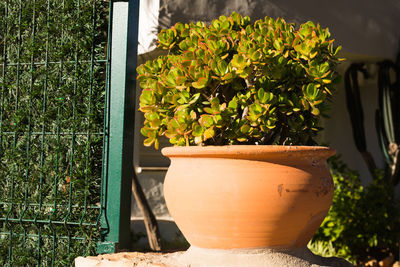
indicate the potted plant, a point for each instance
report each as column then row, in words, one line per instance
column 241, row 102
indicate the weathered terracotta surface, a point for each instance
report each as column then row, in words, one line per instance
column 248, row 196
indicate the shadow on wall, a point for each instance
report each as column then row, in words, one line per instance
column 171, row 237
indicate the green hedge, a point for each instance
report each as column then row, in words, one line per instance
column 52, row 96
column 363, row 221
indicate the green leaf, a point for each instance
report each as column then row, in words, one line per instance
column 208, row 133
column 171, row 133
column 233, row 104
column 239, row 61
column 194, row 98
column 255, row 108
column 147, row 97
column 201, row 83
column 222, row 67
column 218, row 120
column 278, row 44
column 245, row 128
column 312, row 92
column 197, row 130
column 256, row 56
column 215, row 101
column 315, row 111
column 149, row 141
column 174, row 123
column 155, row 124
column 206, row 121
column 264, row 97
column 210, row 110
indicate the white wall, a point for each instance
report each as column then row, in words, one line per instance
column 148, row 25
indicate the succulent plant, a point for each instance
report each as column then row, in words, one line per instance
column 234, row 82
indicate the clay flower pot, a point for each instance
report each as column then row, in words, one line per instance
column 229, row 197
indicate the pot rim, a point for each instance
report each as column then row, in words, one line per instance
column 249, row 151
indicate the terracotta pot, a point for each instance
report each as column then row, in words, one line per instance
column 248, row 196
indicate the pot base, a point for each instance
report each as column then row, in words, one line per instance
column 299, row 257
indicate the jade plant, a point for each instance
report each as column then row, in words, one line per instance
column 237, row 82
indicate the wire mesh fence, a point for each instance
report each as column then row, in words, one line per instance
column 52, row 102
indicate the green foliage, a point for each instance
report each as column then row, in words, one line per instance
column 363, row 220
column 51, row 129
column 322, row 248
column 233, row 82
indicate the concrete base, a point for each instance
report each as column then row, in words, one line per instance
column 200, row 257
column 300, row 257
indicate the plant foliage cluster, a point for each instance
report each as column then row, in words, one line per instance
column 51, row 124
column 363, row 220
column 234, row 82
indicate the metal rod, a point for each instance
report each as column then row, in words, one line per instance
column 45, row 236
column 102, row 219
column 71, row 173
column 52, row 133
column 57, row 169
column 89, row 111
column 12, row 64
column 4, row 71
column 42, row 156
column 39, row 221
column 50, row 205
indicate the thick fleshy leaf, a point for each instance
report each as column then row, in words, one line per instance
column 149, row 141
column 208, row 133
column 201, row 83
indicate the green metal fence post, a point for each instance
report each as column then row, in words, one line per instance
column 117, row 180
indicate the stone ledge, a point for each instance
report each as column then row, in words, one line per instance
column 198, row 257
column 130, row 259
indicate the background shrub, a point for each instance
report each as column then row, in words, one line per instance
column 363, row 220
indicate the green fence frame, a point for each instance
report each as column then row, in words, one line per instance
column 120, row 121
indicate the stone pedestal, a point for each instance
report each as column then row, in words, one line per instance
column 199, row 257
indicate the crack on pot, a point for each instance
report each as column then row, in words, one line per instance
column 297, row 190
column 280, row 188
